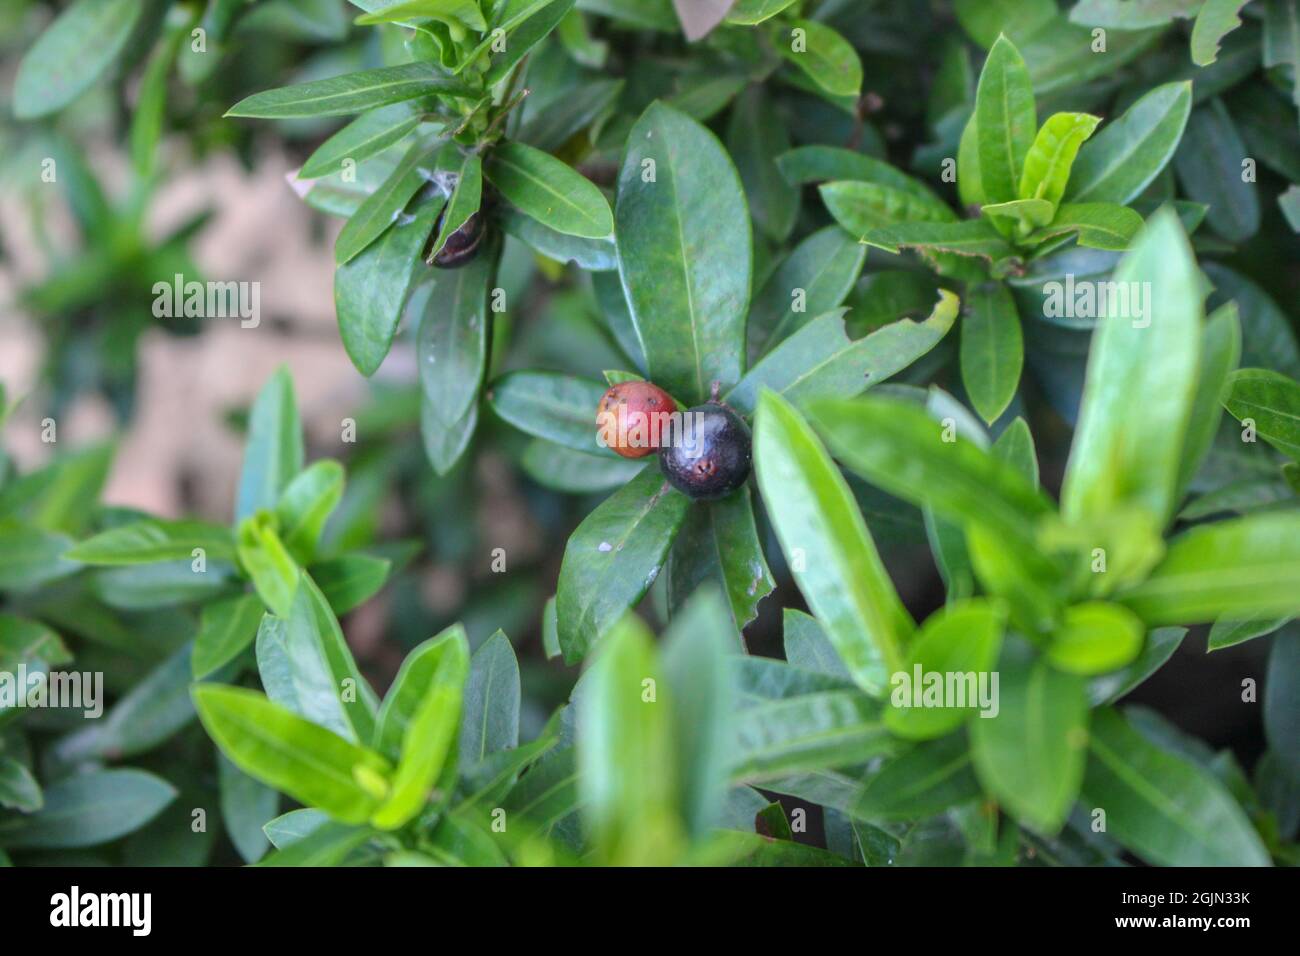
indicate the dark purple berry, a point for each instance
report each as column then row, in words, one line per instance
column 712, row 454
column 461, row 246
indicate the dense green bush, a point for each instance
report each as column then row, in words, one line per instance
column 910, row 638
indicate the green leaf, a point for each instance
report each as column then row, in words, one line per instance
column 817, row 164
column 984, row 20
column 823, row 54
column 695, row 651
column 1094, row 638
column 151, row 101
column 328, row 845
column 1015, row 446
column 1281, row 693
column 1220, row 352
column 491, row 721
column 970, row 237
column 1216, row 20
column 813, row 279
column 306, row 504
column 684, row 252
column 750, row 12
column 465, row 13
column 1120, row 460
column 821, row 361
column 1127, row 15
column 1120, row 162
column 992, row 349
column 562, row 469
column 613, row 557
column 860, row 207
column 311, row 764
column 962, row 639
column 1050, row 158
column 225, row 628
column 1031, row 755
column 1099, row 225
column 927, row 779
column 559, row 408
column 370, row 290
column 72, row 54
column 87, row 809
column 549, row 190
column 154, row 539
column 381, row 208
column 827, row 545
column 464, row 202
column 430, row 730
column 446, row 442
column 1271, row 402
column 1005, row 121
column 247, row 806
column 350, row 580
column 1209, row 166
column 1247, row 567
column 756, row 135
column 627, row 768
column 30, row 557
column 1166, row 810
column 148, row 714
column 1160, row 646
column 1228, row 632
column 1282, row 39
column 451, row 344
column 18, row 788
column 719, row 542
column 350, row 93
column 273, row 450
column 594, row 255
column 807, row 646
column 1020, row 217
column 808, row 733
column 262, row 554
column 368, row 134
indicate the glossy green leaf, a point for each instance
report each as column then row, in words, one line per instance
column 627, row 769
column 1220, row 352
column 806, row 644
column 370, row 290
column 827, row 545
column 684, row 252
column 1031, row 755
column 549, row 190
column 30, row 557
column 961, row 639
column 225, row 628
column 1005, row 121
column 88, row 809
column 613, row 557
column 491, row 718
column 719, row 542
column 273, row 451
column 823, row 54
column 756, row 135
column 381, row 208
column 1098, row 225
column 808, row 733
column 975, row 238
column 350, row 93
column 368, row 134
column 1051, row 157
column 1120, row 460
column 559, row 408
column 154, row 539
column 860, row 207
column 927, row 779
column 1241, row 568
column 431, row 728
column 821, row 361
column 1094, row 638
column 1166, row 810
column 992, row 349
column 306, row 504
column 1271, row 402
column 350, row 580
column 1120, row 162
column 1209, row 166
column 464, row 202
column 293, row 755
column 463, row 12
column 246, row 807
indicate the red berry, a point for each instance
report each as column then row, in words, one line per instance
column 633, row 417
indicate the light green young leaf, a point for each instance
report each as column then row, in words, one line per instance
column 306, row 504
column 1099, row 225
column 273, row 450
column 823, row 54
column 268, row 563
column 152, row 540
column 1120, row 460
column 828, row 546
column 1050, row 158
column 1094, row 638
column 226, row 627
column 461, row 13
column 925, row 780
column 311, row 764
column 860, row 207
